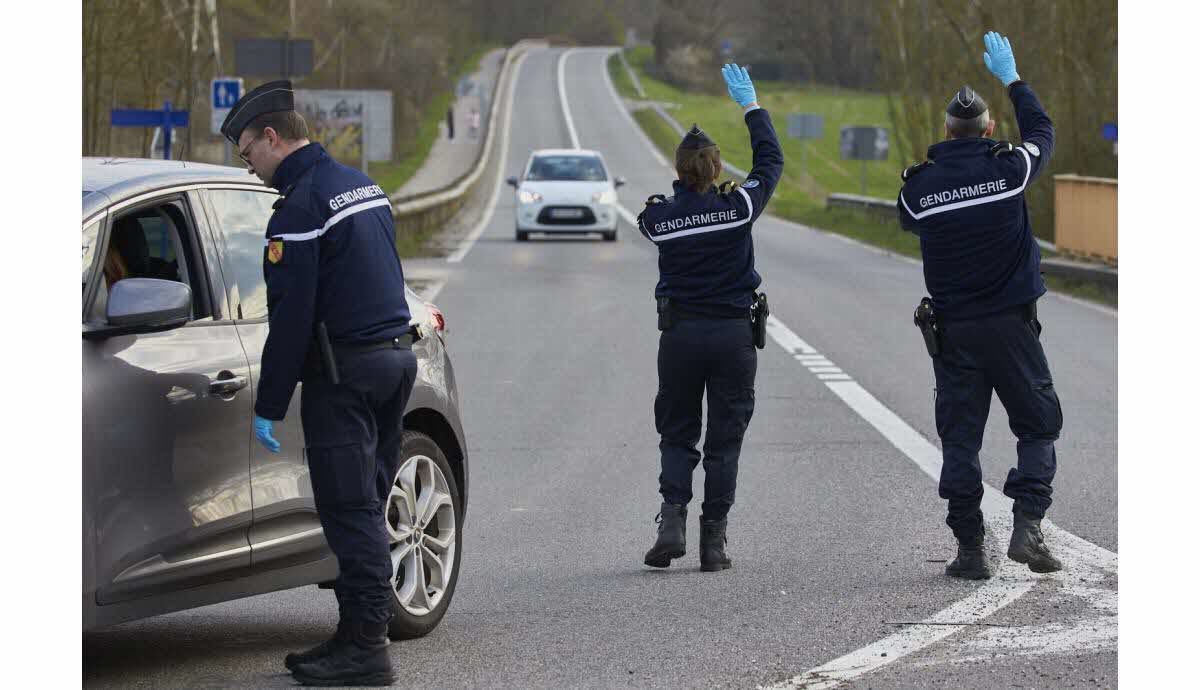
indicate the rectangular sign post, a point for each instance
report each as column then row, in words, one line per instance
column 165, row 118
column 805, row 126
column 1110, row 134
column 224, row 92
column 864, row 144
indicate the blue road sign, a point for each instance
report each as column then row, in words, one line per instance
column 165, row 118
column 1110, row 131
column 226, row 92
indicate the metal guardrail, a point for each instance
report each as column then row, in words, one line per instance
column 424, row 211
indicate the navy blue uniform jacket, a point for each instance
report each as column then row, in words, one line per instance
column 705, row 252
column 330, row 256
column 968, row 207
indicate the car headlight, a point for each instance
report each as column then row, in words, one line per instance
column 528, row 197
column 605, row 197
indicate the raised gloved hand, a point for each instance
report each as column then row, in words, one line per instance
column 999, row 57
column 263, row 429
column 741, row 89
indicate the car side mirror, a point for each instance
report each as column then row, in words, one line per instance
column 512, row 182
column 149, row 304
column 618, row 181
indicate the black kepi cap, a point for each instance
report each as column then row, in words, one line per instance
column 966, row 104
column 271, row 97
column 696, row 139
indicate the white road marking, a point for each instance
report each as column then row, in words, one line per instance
column 490, row 209
column 562, row 98
column 1088, row 568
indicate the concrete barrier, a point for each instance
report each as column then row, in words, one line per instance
column 426, row 211
column 1085, row 216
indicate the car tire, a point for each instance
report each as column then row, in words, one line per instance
column 522, row 235
column 610, row 236
column 428, row 472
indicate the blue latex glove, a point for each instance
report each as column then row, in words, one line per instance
column 999, row 57
column 263, row 429
column 741, row 89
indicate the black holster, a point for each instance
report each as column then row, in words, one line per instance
column 925, row 319
column 328, row 361
column 665, row 318
column 1029, row 313
column 759, row 311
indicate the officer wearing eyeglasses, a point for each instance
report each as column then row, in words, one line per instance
column 339, row 322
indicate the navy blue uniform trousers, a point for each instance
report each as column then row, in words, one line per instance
column 352, row 436
column 1001, row 352
column 695, row 356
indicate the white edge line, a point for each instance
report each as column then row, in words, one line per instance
column 612, row 91
column 1009, row 585
column 490, row 210
column 562, row 97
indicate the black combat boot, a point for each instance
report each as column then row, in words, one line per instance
column 971, row 563
column 671, row 542
column 712, row 545
column 1028, row 546
column 361, row 658
column 295, row 658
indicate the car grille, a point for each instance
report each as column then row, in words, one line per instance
column 566, row 215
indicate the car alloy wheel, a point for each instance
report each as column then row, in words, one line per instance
column 422, row 533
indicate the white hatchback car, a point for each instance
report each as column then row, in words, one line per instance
column 566, row 191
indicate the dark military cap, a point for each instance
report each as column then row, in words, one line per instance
column 272, row 97
column 966, row 104
column 696, row 139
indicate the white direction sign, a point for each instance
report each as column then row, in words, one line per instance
column 224, row 93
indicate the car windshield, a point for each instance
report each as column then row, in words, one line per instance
column 586, row 168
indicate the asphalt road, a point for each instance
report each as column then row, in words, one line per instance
column 837, row 537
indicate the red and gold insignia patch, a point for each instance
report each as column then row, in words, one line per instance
column 275, row 251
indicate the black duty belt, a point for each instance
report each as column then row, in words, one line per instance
column 399, row 343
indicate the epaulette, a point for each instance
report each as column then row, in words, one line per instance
column 914, row 169
column 1002, row 148
column 655, row 199
column 727, row 187
column 283, row 197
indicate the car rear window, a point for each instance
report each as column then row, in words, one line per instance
column 585, row 168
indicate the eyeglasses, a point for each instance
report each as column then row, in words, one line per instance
column 243, row 153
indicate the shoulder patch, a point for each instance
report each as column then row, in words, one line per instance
column 750, row 184
column 1032, row 148
column 275, row 251
column 655, row 199
column 913, row 169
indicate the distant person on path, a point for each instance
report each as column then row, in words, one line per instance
column 474, row 120
column 981, row 263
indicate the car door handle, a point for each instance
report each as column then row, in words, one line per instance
column 227, row 384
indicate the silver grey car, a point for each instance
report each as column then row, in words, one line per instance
column 181, row 507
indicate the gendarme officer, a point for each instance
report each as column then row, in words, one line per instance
column 339, row 322
column 967, row 204
column 706, row 291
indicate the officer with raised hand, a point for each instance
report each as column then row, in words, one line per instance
column 708, row 309
column 339, row 322
column 981, row 263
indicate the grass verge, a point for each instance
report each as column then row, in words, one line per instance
column 812, row 172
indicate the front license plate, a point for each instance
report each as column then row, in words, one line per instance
column 566, row 213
